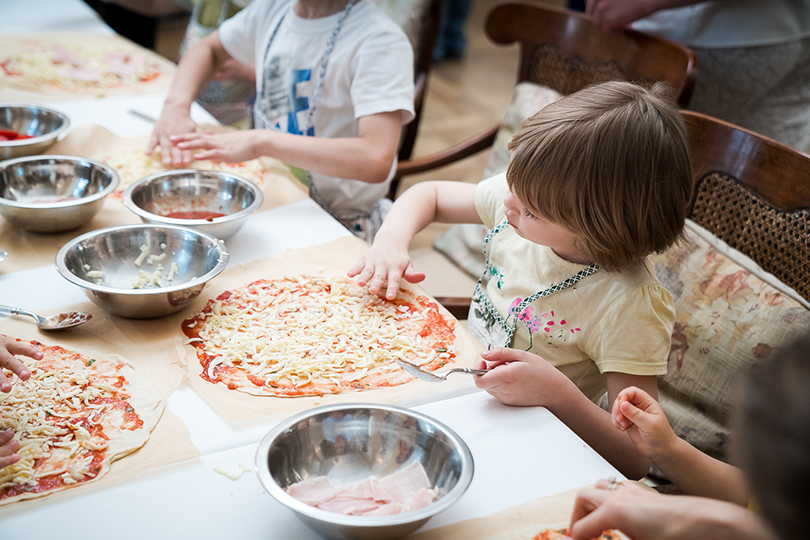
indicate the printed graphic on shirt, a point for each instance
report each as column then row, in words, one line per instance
column 284, row 98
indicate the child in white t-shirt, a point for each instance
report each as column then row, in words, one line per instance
column 338, row 72
column 568, row 300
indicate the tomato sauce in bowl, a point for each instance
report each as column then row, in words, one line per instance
column 194, row 214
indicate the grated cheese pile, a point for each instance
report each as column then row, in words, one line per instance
column 49, row 413
column 77, row 67
column 132, row 165
column 307, row 328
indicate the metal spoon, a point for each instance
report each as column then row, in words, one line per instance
column 3, row 255
column 430, row 376
column 54, row 322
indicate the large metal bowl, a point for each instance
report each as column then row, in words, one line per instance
column 45, row 126
column 376, row 440
column 106, row 263
column 156, row 196
column 53, row 193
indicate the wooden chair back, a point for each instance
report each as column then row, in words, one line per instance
column 565, row 50
column 754, row 194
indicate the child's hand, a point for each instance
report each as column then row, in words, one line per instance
column 8, row 348
column 643, row 514
column 635, row 412
column 384, row 266
column 8, row 448
column 521, row 378
column 231, row 147
column 172, row 121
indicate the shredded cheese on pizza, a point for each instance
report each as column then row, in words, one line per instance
column 76, row 67
column 132, row 165
column 64, row 417
column 304, row 330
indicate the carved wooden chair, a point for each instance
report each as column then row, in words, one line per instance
column 564, row 50
column 753, row 193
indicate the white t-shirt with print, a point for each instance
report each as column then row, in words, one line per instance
column 609, row 321
column 369, row 71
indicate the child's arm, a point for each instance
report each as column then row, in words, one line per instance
column 388, row 261
column 694, row 472
column 367, row 157
column 613, row 15
column 646, row 515
column 523, row 378
column 194, row 71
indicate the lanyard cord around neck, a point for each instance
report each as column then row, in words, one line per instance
column 330, row 44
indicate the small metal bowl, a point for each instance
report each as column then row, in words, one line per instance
column 106, row 263
column 44, row 126
column 156, row 196
column 53, row 193
column 376, row 440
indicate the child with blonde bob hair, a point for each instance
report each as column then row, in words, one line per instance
column 568, row 305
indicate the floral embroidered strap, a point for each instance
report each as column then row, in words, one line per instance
column 480, row 297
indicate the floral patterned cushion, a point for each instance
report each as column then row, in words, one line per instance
column 729, row 315
column 463, row 243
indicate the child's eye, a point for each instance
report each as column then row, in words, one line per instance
column 528, row 214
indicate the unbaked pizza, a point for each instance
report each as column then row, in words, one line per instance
column 73, row 417
column 558, row 534
column 313, row 335
column 133, row 164
column 76, row 67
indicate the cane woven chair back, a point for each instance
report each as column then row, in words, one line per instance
column 754, row 194
column 566, row 51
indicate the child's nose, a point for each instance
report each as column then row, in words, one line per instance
column 509, row 201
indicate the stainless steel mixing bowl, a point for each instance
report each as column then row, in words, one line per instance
column 45, row 126
column 106, row 263
column 189, row 190
column 53, row 193
column 379, row 440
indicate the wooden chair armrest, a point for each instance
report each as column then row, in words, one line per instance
column 455, row 153
column 458, row 306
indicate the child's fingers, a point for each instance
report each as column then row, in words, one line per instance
column 635, row 415
column 25, row 349
column 356, row 269
column 617, row 418
column 393, row 285
column 638, row 397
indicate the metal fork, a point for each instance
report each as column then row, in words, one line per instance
column 429, row 376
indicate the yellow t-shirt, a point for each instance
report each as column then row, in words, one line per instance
column 608, row 321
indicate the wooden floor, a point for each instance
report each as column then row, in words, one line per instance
column 464, row 97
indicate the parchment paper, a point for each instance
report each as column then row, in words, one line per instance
column 332, row 258
column 520, row 522
column 12, row 44
column 170, row 441
column 32, row 250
